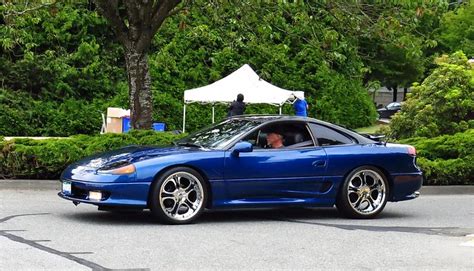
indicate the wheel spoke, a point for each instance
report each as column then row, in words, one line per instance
column 377, row 188
column 178, row 182
column 167, row 198
column 189, row 189
column 370, row 200
column 364, row 180
column 173, row 181
column 167, row 192
column 175, row 211
column 357, row 203
column 190, row 205
column 353, row 188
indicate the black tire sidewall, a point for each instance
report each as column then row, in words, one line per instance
column 342, row 201
column 154, row 203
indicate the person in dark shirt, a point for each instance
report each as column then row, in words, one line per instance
column 237, row 107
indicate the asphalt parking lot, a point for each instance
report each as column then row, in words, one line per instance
column 40, row 231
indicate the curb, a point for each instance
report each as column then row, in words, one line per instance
column 447, row 190
column 54, row 185
column 29, row 185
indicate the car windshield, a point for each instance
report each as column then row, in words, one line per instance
column 219, row 135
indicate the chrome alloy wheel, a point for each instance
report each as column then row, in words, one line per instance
column 366, row 192
column 181, row 196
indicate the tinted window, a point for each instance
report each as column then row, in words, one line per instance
column 294, row 135
column 327, row 136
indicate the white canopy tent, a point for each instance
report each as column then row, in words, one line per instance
column 244, row 81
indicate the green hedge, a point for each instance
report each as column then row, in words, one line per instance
column 447, row 159
column 21, row 115
column 45, row 159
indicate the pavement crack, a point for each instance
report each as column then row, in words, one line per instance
column 67, row 255
column 13, row 216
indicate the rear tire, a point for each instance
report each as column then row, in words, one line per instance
column 363, row 194
column 178, row 196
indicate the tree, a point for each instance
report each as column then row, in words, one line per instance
column 442, row 104
column 393, row 38
column 457, row 30
column 134, row 24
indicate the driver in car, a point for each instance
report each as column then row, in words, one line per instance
column 275, row 140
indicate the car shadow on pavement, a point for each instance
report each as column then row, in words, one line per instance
column 218, row 216
column 317, row 217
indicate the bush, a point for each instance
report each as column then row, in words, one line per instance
column 442, row 104
column 21, row 115
column 45, row 159
column 447, row 159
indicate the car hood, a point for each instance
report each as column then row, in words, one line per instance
column 129, row 154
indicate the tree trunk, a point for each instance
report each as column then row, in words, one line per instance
column 395, row 92
column 139, row 84
column 405, row 91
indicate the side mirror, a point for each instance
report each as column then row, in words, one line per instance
column 243, row 146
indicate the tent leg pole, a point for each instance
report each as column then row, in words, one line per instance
column 184, row 118
column 213, row 113
column 279, row 110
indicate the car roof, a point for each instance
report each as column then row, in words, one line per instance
column 270, row 118
column 267, row 117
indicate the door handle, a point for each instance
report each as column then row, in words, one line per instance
column 319, row 163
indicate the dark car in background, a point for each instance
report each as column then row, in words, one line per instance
column 389, row 110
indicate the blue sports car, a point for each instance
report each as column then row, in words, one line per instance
column 249, row 162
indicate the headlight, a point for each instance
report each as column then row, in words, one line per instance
column 121, row 170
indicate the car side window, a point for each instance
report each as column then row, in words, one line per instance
column 294, row 135
column 328, row 137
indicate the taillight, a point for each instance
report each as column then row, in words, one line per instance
column 411, row 151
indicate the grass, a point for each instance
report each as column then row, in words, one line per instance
column 370, row 129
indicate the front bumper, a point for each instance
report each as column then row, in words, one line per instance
column 133, row 194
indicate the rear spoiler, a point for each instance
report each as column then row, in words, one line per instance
column 377, row 138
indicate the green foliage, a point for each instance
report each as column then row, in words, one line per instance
column 45, row 159
column 442, row 104
column 58, row 52
column 457, row 30
column 67, row 51
column 22, row 115
column 293, row 46
column 447, row 159
column 396, row 39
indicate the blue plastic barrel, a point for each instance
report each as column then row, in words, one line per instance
column 125, row 124
column 159, row 126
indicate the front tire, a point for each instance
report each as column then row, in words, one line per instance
column 178, row 196
column 364, row 193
